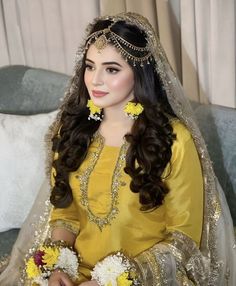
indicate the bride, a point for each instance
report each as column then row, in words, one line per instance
column 134, row 199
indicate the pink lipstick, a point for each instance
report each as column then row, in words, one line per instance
column 98, row 93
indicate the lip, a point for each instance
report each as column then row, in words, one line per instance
column 99, row 93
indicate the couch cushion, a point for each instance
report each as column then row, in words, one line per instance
column 7, row 239
column 218, row 127
column 27, row 90
column 22, row 169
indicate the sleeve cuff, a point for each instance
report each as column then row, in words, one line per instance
column 65, row 225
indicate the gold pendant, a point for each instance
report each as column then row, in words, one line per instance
column 101, row 43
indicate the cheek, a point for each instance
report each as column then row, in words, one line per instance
column 87, row 79
column 122, row 83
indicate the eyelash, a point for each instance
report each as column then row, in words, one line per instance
column 112, row 70
column 88, row 67
column 108, row 69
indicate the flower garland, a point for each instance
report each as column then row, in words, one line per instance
column 115, row 270
column 49, row 257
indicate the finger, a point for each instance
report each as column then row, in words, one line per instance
column 66, row 281
column 55, row 283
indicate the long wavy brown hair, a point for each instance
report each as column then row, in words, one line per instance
column 150, row 139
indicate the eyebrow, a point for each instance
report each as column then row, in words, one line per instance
column 105, row 63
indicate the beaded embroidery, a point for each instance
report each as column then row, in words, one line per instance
column 83, row 178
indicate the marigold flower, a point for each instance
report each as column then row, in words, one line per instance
column 123, row 280
column 50, row 255
column 32, row 269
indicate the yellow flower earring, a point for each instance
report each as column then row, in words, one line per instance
column 95, row 112
column 133, row 110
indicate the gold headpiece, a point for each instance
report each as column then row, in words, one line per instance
column 103, row 37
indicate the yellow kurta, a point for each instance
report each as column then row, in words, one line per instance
column 131, row 230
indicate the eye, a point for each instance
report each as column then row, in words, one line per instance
column 89, row 67
column 112, row 70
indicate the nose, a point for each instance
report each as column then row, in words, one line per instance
column 97, row 78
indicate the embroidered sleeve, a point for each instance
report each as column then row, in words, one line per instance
column 175, row 261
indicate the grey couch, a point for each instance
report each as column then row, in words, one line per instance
column 25, row 90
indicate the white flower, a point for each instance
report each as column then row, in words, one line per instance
column 68, row 261
column 109, row 269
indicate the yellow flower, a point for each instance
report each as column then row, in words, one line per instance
column 31, row 269
column 133, row 108
column 92, row 107
column 51, row 255
column 123, row 280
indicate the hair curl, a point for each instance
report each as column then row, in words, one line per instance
column 150, row 139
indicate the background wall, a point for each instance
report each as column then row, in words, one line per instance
column 199, row 38
column 42, row 33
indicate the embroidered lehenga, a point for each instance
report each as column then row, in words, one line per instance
column 189, row 240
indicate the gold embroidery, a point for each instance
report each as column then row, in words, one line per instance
column 4, row 260
column 217, row 209
column 41, row 233
column 162, row 260
column 187, row 254
column 64, row 224
column 154, row 266
column 183, row 280
column 115, row 186
column 149, row 268
column 191, row 266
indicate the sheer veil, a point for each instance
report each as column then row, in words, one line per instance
column 218, row 248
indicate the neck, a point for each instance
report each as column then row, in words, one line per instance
column 116, row 117
column 114, row 126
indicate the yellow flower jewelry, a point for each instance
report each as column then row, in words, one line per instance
column 51, row 256
column 95, row 112
column 133, row 110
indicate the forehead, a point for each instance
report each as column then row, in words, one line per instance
column 108, row 54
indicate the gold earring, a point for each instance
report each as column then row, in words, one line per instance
column 133, row 110
column 95, row 111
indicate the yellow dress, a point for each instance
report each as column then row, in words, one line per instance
column 129, row 229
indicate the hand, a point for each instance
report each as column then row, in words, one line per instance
column 89, row 283
column 60, row 279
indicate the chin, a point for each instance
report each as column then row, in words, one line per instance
column 99, row 102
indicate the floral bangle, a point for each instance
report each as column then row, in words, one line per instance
column 115, row 270
column 49, row 257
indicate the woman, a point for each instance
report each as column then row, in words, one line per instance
column 133, row 188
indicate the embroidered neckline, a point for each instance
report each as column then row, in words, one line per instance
column 83, row 178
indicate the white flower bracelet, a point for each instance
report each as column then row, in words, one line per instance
column 115, row 270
